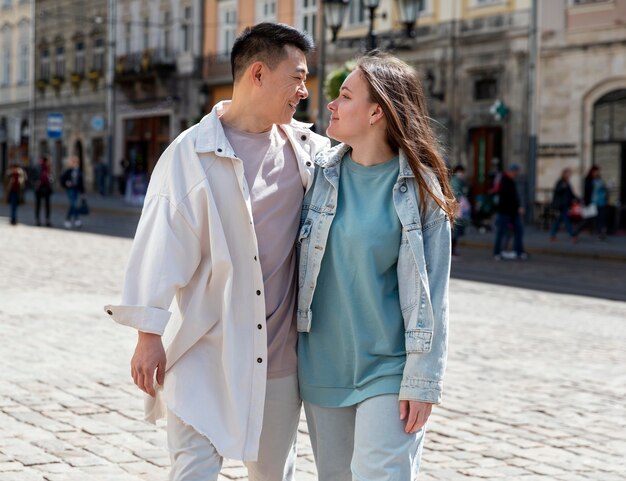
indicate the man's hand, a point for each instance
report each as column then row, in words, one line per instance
column 149, row 355
column 416, row 414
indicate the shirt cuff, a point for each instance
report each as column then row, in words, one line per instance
column 145, row 319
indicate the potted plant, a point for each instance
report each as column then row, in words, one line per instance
column 94, row 76
column 41, row 84
column 75, row 79
column 146, row 60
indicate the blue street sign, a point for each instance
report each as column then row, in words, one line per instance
column 55, row 126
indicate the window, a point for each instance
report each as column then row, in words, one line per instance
column 167, row 34
column 587, row 2
column 227, row 13
column 6, row 3
column 59, row 61
column 146, row 34
column 265, row 11
column 24, row 52
column 186, row 30
column 98, row 55
column 485, row 88
column 484, row 3
column 6, row 56
column 128, row 30
column 44, row 64
column 79, row 58
column 356, row 13
column 308, row 10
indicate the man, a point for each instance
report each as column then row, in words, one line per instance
column 218, row 230
column 509, row 214
column 72, row 181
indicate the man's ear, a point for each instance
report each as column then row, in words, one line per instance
column 256, row 71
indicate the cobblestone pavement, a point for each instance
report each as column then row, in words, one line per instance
column 535, row 386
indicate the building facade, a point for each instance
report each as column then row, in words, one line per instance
column 69, row 91
column 15, row 81
column 582, row 96
column 225, row 19
column 157, row 76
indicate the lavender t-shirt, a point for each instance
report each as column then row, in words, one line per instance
column 276, row 192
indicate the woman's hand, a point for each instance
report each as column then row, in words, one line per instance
column 416, row 414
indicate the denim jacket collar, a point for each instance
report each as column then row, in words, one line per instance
column 332, row 157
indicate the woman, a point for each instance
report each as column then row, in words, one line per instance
column 43, row 190
column 14, row 186
column 562, row 199
column 595, row 195
column 374, row 270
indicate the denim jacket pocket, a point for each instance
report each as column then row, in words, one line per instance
column 418, row 340
column 302, row 245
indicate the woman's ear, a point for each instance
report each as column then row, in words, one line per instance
column 376, row 114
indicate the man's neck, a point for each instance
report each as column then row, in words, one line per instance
column 239, row 115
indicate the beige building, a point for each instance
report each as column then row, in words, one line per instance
column 15, row 81
column 157, row 79
column 69, row 90
column 582, row 95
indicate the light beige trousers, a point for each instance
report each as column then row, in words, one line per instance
column 194, row 458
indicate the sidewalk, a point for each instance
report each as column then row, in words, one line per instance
column 537, row 241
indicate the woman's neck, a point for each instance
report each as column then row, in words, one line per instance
column 372, row 153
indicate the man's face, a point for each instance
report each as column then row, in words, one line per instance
column 284, row 87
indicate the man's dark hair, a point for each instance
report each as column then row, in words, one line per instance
column 266, row 42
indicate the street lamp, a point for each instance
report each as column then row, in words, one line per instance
column 334, row 12
column 371, row 5
column 409, row 10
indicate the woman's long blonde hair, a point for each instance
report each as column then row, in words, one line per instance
column 396, row 87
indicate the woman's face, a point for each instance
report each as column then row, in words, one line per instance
column 351, row 112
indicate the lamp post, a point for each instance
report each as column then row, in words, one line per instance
column 333, row 13
column 371, row 5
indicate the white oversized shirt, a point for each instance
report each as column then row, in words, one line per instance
column 196, row 241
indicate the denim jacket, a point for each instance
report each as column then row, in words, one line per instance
column 423, row 269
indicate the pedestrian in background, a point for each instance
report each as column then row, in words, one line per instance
column 509, row 214
column 562, row 199
column 14, row 187
column 463, row 210
column 72, row 181
column 600, row 198
column 101, row 174
column 595, row 198
column 374, row 274
column 43, row 190
column 218, row 231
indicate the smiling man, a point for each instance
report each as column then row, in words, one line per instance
column 218, row 231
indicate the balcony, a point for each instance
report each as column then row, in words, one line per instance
column 145, row 66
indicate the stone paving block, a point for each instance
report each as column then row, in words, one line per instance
column 23, row 475
column 10, row 466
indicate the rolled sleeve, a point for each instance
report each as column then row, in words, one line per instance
column 145, row 319
column 165, row 254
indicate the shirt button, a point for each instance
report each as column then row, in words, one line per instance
column 259, row 360
column 303, row 137
column 219, row 150
column 308, row 164
column 258, row 293
column 110, row 312
column 255, row 258
column 259, row 326
column 403, row 188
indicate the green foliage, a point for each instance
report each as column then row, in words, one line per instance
column 334, row 79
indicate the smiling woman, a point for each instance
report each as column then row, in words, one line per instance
column 374, row 272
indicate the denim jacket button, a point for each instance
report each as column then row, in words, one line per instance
column 403, row 188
